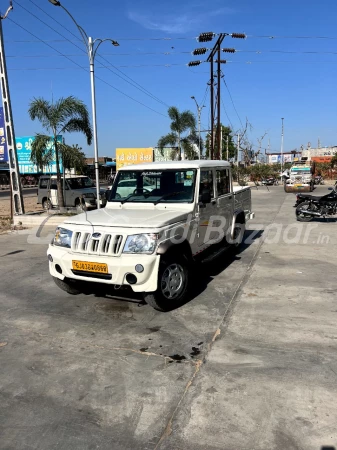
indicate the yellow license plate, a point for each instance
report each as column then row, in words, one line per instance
column 85, row 266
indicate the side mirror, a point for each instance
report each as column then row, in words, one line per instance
column 205, row 197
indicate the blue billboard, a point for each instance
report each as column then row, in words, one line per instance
column 24, row 151
column 3, row 141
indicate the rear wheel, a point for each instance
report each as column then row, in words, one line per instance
column 173, row 279
column 238, row 235
column 301, row 215
column 71, row 287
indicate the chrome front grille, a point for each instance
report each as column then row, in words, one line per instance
column 104, row 245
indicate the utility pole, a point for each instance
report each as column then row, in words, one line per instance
column 16, row 190
column 206, row 37
column 216, row 50
column 199, row 109
column 212, row 111
column 282, row 137
column 268, row 150
column 227, row 143
column 238, row 149
column 219, row 105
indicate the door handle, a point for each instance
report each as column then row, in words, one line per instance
column 230, row 197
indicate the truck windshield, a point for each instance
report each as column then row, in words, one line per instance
column 154, row 186
column 80, row 183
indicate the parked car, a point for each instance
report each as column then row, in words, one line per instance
column 80, row 191
column 150, row 239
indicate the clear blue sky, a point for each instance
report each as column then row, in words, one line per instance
column 297, row 86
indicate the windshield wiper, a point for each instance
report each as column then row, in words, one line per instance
column 127, row 198
column 171, row 194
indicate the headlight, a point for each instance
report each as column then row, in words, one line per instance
column 62, row 237
column 89, row 195
column 141, row 243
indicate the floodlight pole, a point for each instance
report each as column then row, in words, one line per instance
column 16, row 189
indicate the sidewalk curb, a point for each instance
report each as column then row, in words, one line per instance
column 35, row 220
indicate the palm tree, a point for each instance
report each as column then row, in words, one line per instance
column 67, row 115
column 181, row 122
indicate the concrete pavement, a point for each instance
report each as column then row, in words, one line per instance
column 249, row 363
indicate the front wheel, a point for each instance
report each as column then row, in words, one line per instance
column 173, row 279
column 301, row 215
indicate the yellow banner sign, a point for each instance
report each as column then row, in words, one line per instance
column 127, row 156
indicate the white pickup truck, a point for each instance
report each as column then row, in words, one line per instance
column 149, row 236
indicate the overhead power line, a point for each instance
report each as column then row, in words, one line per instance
column 230, row 95
column 291, row 37
column 74, row 62
column 123, row 76
column 224, row 108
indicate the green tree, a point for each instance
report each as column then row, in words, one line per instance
column 333, row 162
column 227, row 133
column 181, row 123
column 67, row 115
column 74, row 158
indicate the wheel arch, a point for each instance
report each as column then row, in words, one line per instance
column 169, row 247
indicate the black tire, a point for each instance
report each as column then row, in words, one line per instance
column 302, row 217
column 70, row 287
column 174, row 268
column 46, row 204
column 238, row 235
column 80, row 204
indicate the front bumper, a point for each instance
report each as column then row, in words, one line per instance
column 118, row 267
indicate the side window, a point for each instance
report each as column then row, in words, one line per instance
column 206, row 182
column 53, row 185
column 223, row 182
column 44, row 183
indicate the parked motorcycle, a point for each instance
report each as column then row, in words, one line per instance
column 270, row 181
column 318, row 179
column 310, row 206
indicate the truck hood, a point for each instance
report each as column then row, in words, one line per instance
column 129, row 218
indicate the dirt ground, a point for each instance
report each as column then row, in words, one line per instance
column 5, row 210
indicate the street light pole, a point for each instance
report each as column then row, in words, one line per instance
column 282, row 138
column 199, row 109
column 91, row 50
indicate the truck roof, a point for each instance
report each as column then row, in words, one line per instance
column 195, row 164
column 67, row 177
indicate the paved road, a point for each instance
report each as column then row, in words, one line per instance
column 26, row 192
column 32, row 191
column 249, row 363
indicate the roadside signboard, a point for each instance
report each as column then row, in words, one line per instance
column 3, row 140
column 163, row 155
column 274, row 159
column 128, row 156
column 24, row 151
